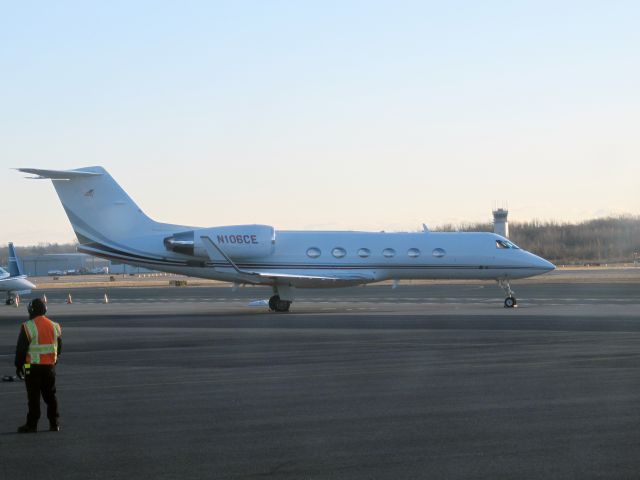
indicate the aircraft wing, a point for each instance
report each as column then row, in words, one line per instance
column 304, row 280
column 217, row 255
column 317, row 280
column 57, row 174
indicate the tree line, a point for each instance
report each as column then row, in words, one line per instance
column 601, row 240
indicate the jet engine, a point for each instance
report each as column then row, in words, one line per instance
column 237, row 241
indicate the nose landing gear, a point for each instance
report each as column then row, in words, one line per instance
column 510, row 301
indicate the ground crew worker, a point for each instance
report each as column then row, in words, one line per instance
column 39, row 344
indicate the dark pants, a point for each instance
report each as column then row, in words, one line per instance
column 41, row 380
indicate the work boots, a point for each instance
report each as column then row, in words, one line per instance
column 27, row 429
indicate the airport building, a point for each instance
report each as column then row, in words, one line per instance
column 73, row 264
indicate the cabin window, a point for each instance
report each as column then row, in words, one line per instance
column 364, row 252
column 314, row 252
column 413, row 253
column 438, row 252
column 338, row 252
column 389, row 252
column 506, row 244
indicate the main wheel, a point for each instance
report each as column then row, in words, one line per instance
column 283, row 306
column 277, row 305
column 273, row 303
column 9, row 301
column 510, row 302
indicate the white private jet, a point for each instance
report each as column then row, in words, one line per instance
column 109, row 224
column 14, row 282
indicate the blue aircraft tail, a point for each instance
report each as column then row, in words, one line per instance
column 15, row 267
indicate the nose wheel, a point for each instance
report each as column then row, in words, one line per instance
column 510, row 301
column 278, row 305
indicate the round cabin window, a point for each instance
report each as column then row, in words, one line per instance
column 338, row 252
column 439, row 252
column 364, row 252
column 314, row 252
column 413, row 253
column 389, row 252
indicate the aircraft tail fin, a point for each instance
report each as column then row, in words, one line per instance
column 15, row 267
column 98, row 208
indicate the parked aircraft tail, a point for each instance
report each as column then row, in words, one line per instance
column 99, row 210
column 15, row 267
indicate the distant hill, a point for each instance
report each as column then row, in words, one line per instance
column 602, row 240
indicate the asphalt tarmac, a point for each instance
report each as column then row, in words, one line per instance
column 371, row 382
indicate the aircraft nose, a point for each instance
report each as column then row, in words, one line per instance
column 545, row 265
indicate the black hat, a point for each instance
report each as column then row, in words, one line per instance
column 36, row 308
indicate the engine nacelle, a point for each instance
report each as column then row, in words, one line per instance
column 237, row 241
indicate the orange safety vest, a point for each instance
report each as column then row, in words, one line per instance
column 43, row 340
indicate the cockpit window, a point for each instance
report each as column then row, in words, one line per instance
column 506, row 244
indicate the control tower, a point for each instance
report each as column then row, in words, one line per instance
column 500, row 223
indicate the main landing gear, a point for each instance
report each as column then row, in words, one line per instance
column 510, row 301
column 277, row 305
column 11, row 300
column 282, row 298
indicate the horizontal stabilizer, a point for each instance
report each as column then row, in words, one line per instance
column 58, row 174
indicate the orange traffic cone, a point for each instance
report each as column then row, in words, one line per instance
column 106, row 299
column 69, row 300
column 44, row 298
column 17, row 301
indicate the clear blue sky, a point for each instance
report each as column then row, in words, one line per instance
column 323, row 115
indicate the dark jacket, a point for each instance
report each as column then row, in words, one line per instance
column 23, row 347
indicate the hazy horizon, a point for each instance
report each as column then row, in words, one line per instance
column 376, row 116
